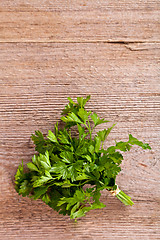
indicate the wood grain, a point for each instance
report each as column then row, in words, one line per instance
column 78, row 5
column 81, row 26
column 50, row 50
column 37, row 79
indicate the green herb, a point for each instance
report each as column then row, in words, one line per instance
column 70, row 170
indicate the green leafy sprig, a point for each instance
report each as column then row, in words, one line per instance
column 69, row 172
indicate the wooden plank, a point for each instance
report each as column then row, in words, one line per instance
column 78, row 5
column 123, row 79
column 80, row 26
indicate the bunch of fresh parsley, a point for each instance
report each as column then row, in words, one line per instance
column 69, row 171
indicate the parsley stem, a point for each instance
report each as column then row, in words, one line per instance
column 89, row 128
column 124, row 198
column 90, row 132
column 93, row 129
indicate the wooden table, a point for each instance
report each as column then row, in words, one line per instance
column 50, row 50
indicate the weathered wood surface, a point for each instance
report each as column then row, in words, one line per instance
column 78, row 27
column 70, row 21
column 77, row 5
column 37, row 76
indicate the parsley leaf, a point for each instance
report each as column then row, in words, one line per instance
column 51, row 136
column 97, row 120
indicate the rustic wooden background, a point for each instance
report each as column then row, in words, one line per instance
column 50, row 50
